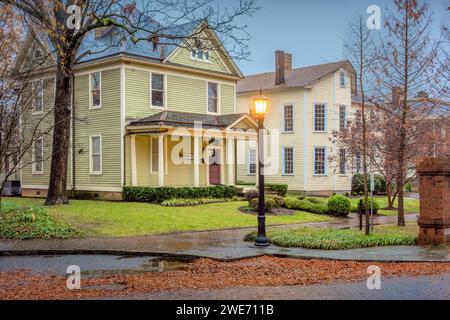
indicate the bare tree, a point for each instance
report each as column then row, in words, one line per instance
column 157, row 21
column 359, row 46
column 409, row 82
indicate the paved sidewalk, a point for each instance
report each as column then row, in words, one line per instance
column 223, row 245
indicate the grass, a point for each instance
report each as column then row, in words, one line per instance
column 122, row 219
column 333, row 239
column 31, row 222
column 411, row 206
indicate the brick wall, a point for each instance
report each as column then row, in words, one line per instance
column 434, row 220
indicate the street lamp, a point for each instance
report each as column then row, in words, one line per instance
column 260, row 109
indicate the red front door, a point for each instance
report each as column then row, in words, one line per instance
column 214, row 174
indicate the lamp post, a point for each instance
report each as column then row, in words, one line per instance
column 260, row 110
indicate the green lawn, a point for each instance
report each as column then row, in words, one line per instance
column 121, row 219
column 333, row 239
column 411, row 206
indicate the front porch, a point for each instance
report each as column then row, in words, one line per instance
column 173, row 149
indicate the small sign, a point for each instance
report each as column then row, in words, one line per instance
column 372, row 183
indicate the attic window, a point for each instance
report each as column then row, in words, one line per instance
column 37, row 54
column 343, row 79
column 200, row 55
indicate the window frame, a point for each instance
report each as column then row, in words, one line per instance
column 91, row 155
column 205, row 53
column 34, row 170
column 344, row 74
column 325, row 167
column 217, row 112
column 345, row 117
column 292, row 119
column 358, row 162
column 249, row 159
column 163, row 90
column 283, row 162
column 41, row 92
column 91, row 96
column 325, row 109
column 342, row 162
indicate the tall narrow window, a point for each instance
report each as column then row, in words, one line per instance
column 288, row 118
column 342, row 117
column 155, row 154
column 288, row 161
column 213, row 97
column 342, row 162
column 252, row 161
column 38, row 92
column 319, row 161
column 343, row 79
column 157, row 90
column 96, row 154
column 96, row 87
column 319, row 118
column 358, row 162
column 38, row 156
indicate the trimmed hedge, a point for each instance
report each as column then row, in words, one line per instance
column 271, row 202
column 306, row 205
column 339, row 205
column 280, row 189
column 158, row 195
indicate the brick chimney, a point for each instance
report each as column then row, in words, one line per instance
column 283, row 62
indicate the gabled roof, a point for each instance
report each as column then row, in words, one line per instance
column 184, row 119
column 295, row 78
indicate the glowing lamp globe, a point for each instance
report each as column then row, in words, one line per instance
column 260, row 107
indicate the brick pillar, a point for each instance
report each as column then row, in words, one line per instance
column 434, row 220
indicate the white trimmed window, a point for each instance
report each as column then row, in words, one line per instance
column 342, row 162
column 319, row 117
column 155, row 154
column 96, row 154
column 213, row 97
column 157, row 90
column 319, row 161
column 38, row 156
column 342, row 117
column 38, row 92
column 200, row 55
column 252, row 161
column 288, row 125
column 358, row 162
column 288, row 160
column 96, row 90
column 342, row 79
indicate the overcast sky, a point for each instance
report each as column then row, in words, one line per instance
column 312, row 30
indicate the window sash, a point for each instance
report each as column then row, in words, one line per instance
column 96, row 154
column 342, row 162
column 342, row 79
column 252, row 161
column 288, row 118
column 358, row 162
column 319, row 161
column 38, row 92
column 158, row 90
column 288, row 160
column 96, row 80
column 155, row 154
column 343, row 117
column 319, row 117
column 38, row 154
column 213, row 97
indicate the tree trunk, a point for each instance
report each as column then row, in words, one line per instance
column 57, row 191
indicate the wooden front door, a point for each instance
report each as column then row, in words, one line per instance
column 214, row 174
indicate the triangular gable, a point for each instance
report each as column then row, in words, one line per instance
column 25, row 58
column 221, row 61
column 244, row 123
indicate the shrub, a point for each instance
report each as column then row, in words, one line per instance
column 32, row 222
column 190, row 202
column 347, row 194
column 376, row 205
column 339, row 205
column 358, row 184
column 158, row 195
column 382, row 183
column 280, row 189
column 306, row 205
column 316, row 200
column 270, row 204
column 408, row 187
column 279, row 201
column 250, row 195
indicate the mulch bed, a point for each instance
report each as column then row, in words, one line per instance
column 207, row 274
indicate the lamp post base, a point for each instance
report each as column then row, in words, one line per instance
column 262, row 241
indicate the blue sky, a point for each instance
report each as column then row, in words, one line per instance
column 311, row 30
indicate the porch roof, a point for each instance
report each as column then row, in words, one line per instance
column 188, row 120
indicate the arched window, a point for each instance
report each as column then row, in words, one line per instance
column 37, row 54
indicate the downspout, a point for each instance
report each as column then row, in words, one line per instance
column 73, row 135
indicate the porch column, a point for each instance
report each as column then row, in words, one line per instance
column 196, row 161
column 161, row 167
column 222, row 161
column 133, row 161
column 230, row 160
